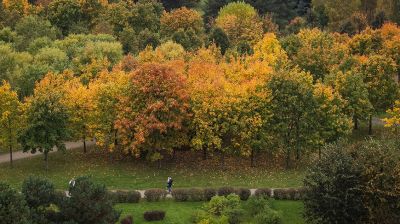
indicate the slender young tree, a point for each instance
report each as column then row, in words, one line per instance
column 9, row 118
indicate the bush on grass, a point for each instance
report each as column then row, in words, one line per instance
column 209, row 193
column 256, row 205
column 244, row 193
column 125, row 196
column 196, row 194
column 180, row 195
column 263, row 192
column 13, row 208
column 219, row 204
column 268, row 216
column 154, row 215
column 155, row 194
column 127, row 220
column 225, row 191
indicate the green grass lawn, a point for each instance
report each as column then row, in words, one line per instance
column 181, row 212
column 186, row 171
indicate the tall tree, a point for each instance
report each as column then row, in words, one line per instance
column 78, row 100
column 153, row 114
column 241, row 23
column 292, row 105
column 46, row 116
column 379, row 74
column 9, row 118
column 183, row 22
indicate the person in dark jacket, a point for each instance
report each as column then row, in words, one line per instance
column 169, row 184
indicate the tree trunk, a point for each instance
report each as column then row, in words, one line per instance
column 46, row 159
column 204, row 153
column 222, row 161
column 84, row 144
column 398, row 76
column 252, row 158
column 159, row 164
column 11, row 156
column 288, row 158
column 370, row 125
column 319, row 152
column 355, row 123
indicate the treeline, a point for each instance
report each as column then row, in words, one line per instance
column 290, row 102
column 232, row 89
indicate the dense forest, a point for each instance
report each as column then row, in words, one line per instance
column 146, row 78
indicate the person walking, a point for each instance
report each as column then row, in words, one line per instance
column 169, row 184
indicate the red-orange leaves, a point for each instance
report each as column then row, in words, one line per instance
column 153, row 111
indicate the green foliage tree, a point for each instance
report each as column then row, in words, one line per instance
column 219, row 38
column 13, row 209
column 379, row 74
column 32, row 27
column 352, row 88
column 64, row 14
column 10, row 118
column 47, row 118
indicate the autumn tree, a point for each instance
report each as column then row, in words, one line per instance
column 393, row 119
column 152, row 115
column 228, row 112
column 183, row 22
column 104, row 91
column 329, row 120
column 78, row 100
column 317, row 52
column 353, row 90
column 9, row 118
column 337, row 10
column 46, row 117
column 379, row 74
column 241, row 23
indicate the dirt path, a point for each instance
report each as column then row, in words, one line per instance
column 5, row 158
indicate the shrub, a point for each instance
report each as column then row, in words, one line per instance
column 127, row 220
column 38, row 192
column 284, row 193
column 180, row 194
column 257, row 204
column 219, row 204
column 125, row 196
column 234, row 215
column 89, row 202
column 209, row 193
column 155, row 194
column 13, row 208
column 225, row 191
column 196, row 194
column 154, row 215
column 244, row 193
column 263, row 192
column 300, row 193
column 268, row 216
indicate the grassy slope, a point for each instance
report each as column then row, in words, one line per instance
column 180, row 212
column 139, row 175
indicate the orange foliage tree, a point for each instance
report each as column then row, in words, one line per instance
column 153, row 112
